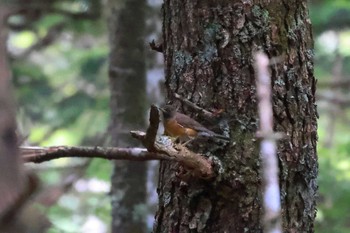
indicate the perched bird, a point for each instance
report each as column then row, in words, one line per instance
column 182, row 126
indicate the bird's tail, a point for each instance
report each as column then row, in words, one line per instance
column 211, row 134
column 222, row 137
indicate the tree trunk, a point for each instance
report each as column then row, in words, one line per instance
column 127, row 73
column 208, row 50
column 13, row 184
column 11, row 173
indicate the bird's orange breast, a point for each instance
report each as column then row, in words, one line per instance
column 174, row 129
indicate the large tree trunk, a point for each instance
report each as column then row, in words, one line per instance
column 127, row 73
column 208, row 50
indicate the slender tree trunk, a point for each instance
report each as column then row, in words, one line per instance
column 127, row 72
column 10, row 173
column 208, row 50
column 12, row 178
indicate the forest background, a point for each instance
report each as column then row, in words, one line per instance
column 59, row 62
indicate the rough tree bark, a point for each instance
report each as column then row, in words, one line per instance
column 127, row 74
column 208, row 50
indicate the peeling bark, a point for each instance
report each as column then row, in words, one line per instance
column 208, row 49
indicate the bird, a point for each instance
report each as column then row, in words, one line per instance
column 182, row 126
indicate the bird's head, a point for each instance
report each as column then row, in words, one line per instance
column 168, row 111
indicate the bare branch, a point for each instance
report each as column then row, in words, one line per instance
column 158, row 148
column 339, row 83
column 206, row 113
column 152, row 129
column 43, row 154
column 197, row 164
column 272, row 205
column 334, row 98
column 89, row 15
column 156, row 46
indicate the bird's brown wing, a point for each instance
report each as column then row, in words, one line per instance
column 188, row 122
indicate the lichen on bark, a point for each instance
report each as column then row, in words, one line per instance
column 213, row 76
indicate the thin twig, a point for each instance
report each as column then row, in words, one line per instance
column 204, row 112
column 272, row 205
column 156, row 46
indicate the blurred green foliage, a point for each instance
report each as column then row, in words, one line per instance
column 63, row 99
column 331, row 24
column 329, row 14
column 334, row 185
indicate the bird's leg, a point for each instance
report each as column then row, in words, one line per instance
column 188, row 141
column 177, row 139
column 173, row 139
